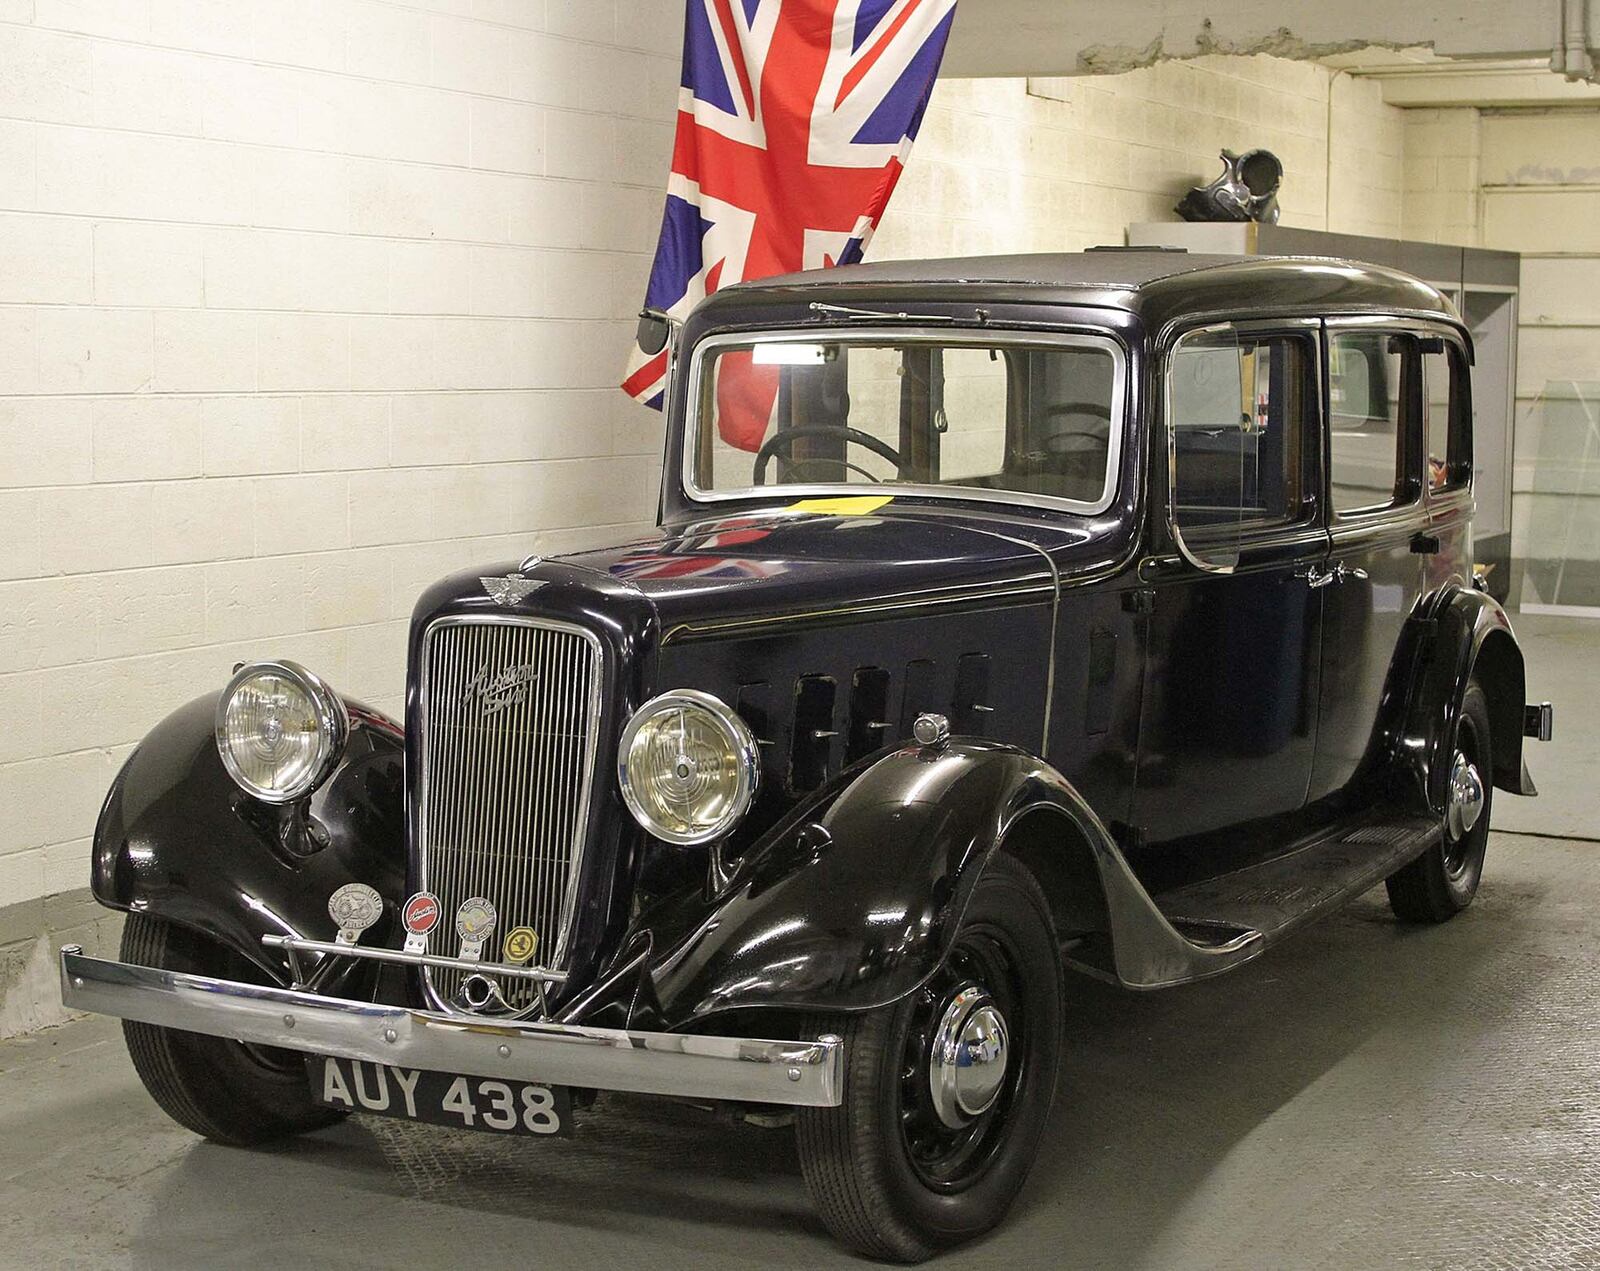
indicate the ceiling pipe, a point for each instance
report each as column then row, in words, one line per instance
column 1572, row 57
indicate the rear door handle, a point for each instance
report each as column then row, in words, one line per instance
column 1317, row 577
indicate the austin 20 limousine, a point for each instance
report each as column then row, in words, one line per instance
column 1007, row 618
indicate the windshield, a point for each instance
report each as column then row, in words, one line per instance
column 985, row 416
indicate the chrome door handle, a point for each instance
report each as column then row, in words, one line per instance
column 1353, row 572
column 1317, row 578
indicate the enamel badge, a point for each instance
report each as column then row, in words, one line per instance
column 354, row 908
column 521, row 944
column 474, row 921
column 419, row 916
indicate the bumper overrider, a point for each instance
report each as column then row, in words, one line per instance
column 684, row 1065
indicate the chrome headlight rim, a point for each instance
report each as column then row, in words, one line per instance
column 333, row 729
column 741, row 741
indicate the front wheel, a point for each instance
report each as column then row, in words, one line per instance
column 1441, row 882
column 225, row 1090
column 946, row 1092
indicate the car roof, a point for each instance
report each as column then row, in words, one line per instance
column 1160, row 284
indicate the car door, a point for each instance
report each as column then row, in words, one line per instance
column 1377, row 530
column 1228, row 722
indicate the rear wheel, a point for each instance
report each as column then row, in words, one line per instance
column 946, row 1092
column 225, row 1090
column 1442, row 881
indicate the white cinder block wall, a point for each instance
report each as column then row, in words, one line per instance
column 305, row 302
column 302, row 303
column 1063, row 164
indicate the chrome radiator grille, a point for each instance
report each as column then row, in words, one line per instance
column 508, row 729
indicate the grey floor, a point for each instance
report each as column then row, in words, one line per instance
column 1368, row 1096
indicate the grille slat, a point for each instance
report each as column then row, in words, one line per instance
column 509, row 713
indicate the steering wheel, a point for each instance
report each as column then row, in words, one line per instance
column 1079, row 443
column 786, row 438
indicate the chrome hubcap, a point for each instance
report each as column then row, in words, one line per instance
column 1466, row 797
column 967, row 1062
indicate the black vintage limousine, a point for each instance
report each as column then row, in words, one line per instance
column 1109, row 613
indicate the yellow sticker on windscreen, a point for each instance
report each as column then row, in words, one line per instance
column 853, row 505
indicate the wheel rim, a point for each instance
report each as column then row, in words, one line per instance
column 962, row 1062
column 1466, row 801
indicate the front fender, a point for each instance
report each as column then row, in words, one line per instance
column 1468, row 635
column 178, row 840
column 854, row 900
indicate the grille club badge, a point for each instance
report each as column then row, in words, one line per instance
column 354, row 907
column 420, row 915
column 474, row 921
column 521, row 944
column 510, row 590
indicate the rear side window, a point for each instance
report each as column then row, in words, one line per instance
column 1240, row 410
column 1372, row 401
column 1447, row 415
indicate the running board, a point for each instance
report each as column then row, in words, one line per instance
column 1203, row 929
column 1276, row 896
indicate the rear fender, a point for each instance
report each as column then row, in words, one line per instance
column 179, row 840
column 1468, row 634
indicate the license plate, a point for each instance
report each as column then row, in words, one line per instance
column 441, row 1098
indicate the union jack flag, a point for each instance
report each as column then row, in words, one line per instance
column 795, row 118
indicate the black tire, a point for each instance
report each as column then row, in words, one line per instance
column 1441, row 882
column 873, row 1164
column 224, row 1090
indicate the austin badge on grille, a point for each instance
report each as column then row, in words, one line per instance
column 354, row 907
column 419, row 915
column 474, row 921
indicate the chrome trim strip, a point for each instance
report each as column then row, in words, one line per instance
column 855, row 612
column 988, row 337
column 685, row 1065
column 294, row 944
column 462, row 769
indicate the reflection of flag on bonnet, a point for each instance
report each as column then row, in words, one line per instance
column 794, row 122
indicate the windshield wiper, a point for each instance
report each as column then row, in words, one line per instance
column 818, row 306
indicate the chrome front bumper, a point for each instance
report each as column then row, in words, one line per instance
column 805, row 1074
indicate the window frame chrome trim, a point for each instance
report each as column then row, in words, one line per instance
column 1104, row 339
column 591, row 772
column 1308, row 527
column 1418, row 506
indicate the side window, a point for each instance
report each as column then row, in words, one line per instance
column 1240, row 410
column 1371, row 378
column 1447, row 415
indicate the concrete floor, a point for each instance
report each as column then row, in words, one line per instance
column 1368, row 1096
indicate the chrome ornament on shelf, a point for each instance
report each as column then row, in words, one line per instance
column 419, row 915
column 474, row 921
column 510, row 590
column 354, row 908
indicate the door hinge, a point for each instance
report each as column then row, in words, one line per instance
column 1139, row 600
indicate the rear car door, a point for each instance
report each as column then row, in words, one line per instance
column 1377, row 528
column 1228, row 723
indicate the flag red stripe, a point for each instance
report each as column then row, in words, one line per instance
column 730, row 32
column 859, row 71
column 646, row 375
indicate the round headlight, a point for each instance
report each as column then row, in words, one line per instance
column 280, row 730
column 688, row 767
